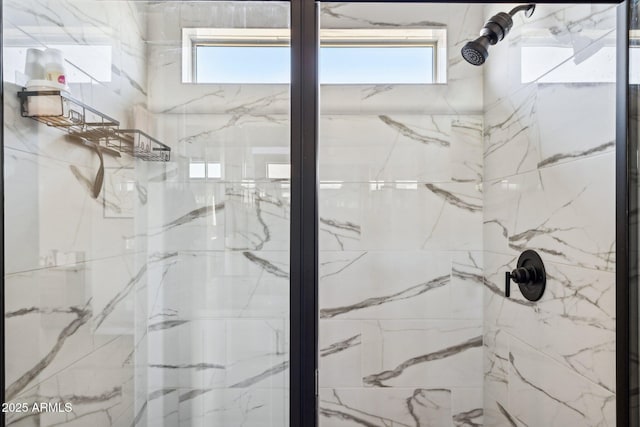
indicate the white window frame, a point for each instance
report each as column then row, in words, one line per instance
column 435, row 38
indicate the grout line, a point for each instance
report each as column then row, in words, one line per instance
column 560, row 163
column 77, row 264
column 48, row 157
column 23, row 392
column 554, row 360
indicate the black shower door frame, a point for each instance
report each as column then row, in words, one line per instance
column 304, row 116
column 304, row 212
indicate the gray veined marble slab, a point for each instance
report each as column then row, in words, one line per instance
column 564, row 212
column 76, row 311
column 496, row 377
column 217, row 216
column 545, row 393
column 425, row 353
column 219, row 354
column 400, row 147
column 101, row 397
column 467, row 285
column 512, row 139
column 560, row 26
column 399, row 407
column 340, row 343
column 385, row 285
column 237, row 217
column 36, row 210
column 401, row 216
column 573, row 323
column 257, row 217
column 224, row 285
column 523, row 133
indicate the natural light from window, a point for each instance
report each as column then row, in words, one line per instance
column 347, row 56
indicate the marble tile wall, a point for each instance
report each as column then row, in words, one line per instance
column 72, row 266
column 177, row 315
column 401, row 259
column 217, row 307
column 217, row 311
column 549, row 185
column 401, row 275
column 397, row 184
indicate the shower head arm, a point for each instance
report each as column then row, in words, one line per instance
column 527, row 8
column 495, row 29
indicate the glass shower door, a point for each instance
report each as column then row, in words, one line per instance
column 435, row 175
column 147, row 214
column 400, row 206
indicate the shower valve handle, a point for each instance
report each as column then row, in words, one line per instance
column 522, row 276
column 530, row 275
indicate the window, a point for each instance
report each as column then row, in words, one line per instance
column 585, row 57
column 201, row 170
column 278, row 171
column 347, row 56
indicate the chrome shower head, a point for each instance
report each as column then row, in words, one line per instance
column 496, row 29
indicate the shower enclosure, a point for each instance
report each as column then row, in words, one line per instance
column 266, row 213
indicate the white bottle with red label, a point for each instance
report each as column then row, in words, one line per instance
column 54, row 67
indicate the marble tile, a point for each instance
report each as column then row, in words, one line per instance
column 573, row 137
column 400, row 216
column 467, row 285
column 244, row 144
column 523, row 133
column 254, row 407
column 218, row 354
column 384, row 407
column 346, row 407
column 397, row 285
column 573, row 323
column 187, row 354
column 222, row 285
column 495, row 390
column 548, row 167
column 564, row 212
column 257, row 217
column 204, row 323
column 218, row 406
column 98, row 387
column 162, row 407
column 256, row 354
column 236, row 217
column 581, row 29
column 73, row 311
column 467, row 407
column 425, row 353
column 183, row 216
column 48, row 228
column 512, row 135
column 340, row 343
column 542, row 392
column 363, row 148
